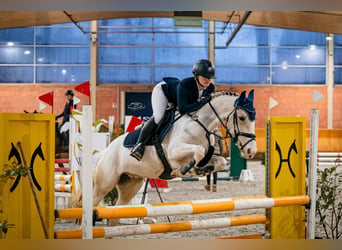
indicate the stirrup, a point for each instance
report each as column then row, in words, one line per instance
column 137, row 152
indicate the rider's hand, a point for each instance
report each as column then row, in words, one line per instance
column 205, row 99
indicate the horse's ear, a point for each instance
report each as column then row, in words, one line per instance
column 242, row 96
column 251, row 95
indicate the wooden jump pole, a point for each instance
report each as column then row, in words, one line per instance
column 76, row 213
column 312, row 173
column 197, row 208
column 110, row 232
column 87, row 190
column 185, row 207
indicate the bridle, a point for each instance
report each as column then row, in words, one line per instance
column 237, row 131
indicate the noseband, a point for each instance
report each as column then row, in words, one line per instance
column 237, row 131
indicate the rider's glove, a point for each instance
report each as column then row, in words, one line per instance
column 205, row 99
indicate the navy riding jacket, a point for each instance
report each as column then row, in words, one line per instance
column 184, row 94
column 66, row 112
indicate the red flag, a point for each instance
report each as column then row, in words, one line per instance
column 47, row 98
column 84, row 88
column 135, row 121
column 160, row 183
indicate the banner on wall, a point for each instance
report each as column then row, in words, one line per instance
column 138, row 104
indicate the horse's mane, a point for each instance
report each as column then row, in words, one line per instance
column 213, row 95
column 220, row 93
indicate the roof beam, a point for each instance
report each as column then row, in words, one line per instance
column 238, row 27
column 318, row 21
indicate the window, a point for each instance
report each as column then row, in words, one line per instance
column 259, row 55
column 338, row 59
column 17, row 36
column 16, row 74
column 144, row 50
column 48, row 54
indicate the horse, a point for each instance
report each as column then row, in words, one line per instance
column 185, row 144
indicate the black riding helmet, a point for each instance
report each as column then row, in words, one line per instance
column 69, row 92
column 204, row 68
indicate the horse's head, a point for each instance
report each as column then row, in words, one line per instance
column 240, row 124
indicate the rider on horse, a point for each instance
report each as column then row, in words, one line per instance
column 190, row 94
column 64, row 128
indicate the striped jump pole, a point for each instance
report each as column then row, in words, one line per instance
column 330, row 154
column 61, row 162
column 110, row 232
column 330, row 159
column 66, row 187
column 63, row 188
column 185, row 207
column 203, row 178
column 199, row 179
column 62, row 177
column 62, row 169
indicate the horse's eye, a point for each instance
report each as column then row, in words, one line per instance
column 241, row 118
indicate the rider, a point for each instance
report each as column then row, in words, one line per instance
column 188, row 95
column 64, row 129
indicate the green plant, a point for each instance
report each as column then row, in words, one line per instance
column 329, row 202
column 111, row 197
column 4, row 226
column 9, row 171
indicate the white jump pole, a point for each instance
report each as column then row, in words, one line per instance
column 312, row 175
column 87, row 187
column 110, row 125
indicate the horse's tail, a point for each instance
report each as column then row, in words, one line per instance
column 77, row 198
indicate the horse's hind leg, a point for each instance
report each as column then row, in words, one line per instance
column 128, row 187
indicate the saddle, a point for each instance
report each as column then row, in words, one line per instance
column 161, row 131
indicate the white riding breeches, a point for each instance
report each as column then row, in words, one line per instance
column 65, row 127
column 159, row 102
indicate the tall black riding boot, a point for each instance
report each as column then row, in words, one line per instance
column 146, row 132
column 65, row 136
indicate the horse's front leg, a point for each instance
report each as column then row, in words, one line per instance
column 219, row 162
column 216, row 163
column 179, row 156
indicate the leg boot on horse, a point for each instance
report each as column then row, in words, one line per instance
column 145, row 134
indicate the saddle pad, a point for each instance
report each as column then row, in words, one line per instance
column 131, row 138
column 162, row 130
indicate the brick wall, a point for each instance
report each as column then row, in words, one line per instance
column 293, row 100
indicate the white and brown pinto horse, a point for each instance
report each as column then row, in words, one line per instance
column 186, row 142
